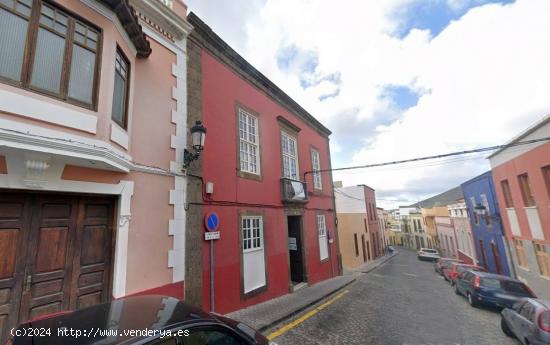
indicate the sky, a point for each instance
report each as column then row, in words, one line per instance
column 398, row 79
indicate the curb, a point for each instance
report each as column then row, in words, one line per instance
column 264, row 328
column 380, row 263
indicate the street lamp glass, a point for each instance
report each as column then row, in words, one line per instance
column 198, row 136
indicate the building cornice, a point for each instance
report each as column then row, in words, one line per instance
column 129, row 20
column 203, row 35
column 162, row 18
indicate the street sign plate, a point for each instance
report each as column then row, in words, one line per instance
column 211, row 235
column 212, row 221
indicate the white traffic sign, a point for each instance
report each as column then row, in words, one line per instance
column 211, row 235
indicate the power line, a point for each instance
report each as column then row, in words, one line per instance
column 339, row 191
column 457, row 153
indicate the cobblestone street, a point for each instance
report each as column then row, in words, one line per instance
column 401, row 302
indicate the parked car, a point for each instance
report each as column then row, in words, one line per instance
column 444, row 263
column 481, row 288
column 428, row 254
column 137, row 320
column 528, row 321
column 457, row 268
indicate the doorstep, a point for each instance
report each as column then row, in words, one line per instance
column 264, row 315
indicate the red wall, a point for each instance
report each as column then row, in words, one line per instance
column 222, row 89
column 374, row 226
column 531, row 163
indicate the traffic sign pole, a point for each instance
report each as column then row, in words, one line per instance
column 211, row 223
column 212, row 275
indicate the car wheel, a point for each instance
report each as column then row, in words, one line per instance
column 505, row 328
column 471, row 300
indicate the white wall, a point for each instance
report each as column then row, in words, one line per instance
column 350, row 199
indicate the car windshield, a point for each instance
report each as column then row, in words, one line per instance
column 515, row 287
column 462, row 268
column 429, row 251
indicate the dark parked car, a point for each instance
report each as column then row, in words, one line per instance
column 528, row 321
column 443, row 263
column 137, row 320
column 456, row 268
column 490, row 289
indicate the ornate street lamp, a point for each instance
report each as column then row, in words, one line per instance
column 198, row 136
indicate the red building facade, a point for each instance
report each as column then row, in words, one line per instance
column 522, row 182
column 376, row 235
column 277, row 220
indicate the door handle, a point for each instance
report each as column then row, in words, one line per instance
column 27, row 283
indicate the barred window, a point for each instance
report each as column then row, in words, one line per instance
column 249, row 143
column 252, row 230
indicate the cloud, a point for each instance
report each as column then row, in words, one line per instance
column 391, row 88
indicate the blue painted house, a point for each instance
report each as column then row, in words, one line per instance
column 487, row 230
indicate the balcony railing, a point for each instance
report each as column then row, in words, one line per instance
column 293, row 191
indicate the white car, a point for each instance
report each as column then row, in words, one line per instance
column 428, row 254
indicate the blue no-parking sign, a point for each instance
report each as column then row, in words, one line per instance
column 212, row 221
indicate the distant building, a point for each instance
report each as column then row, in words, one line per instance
column 464, row 238
column 407, row 235
column 487, row 230
column 383, row 226
column 521, row 175
column 358, row 227
column 439, row 227
column 413, row 228
column 447, row 236
column 393, row 232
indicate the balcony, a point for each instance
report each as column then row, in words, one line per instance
column 293, row 191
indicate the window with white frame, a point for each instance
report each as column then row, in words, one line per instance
column 290, row 156
column 253, row 257
column 252, row 233
column 322, row 229
column 485, row 203
column 249, row 143
column 316, row 166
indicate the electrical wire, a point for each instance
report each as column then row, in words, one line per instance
column 450, row 154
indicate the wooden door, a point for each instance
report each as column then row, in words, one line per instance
column 93, row 248
column 58, row 255
column 14, row 230
column 496, row 258
column 47, row 277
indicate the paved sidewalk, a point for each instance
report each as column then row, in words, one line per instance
column 264, row 315
column 366, row 268
column 267, row 314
